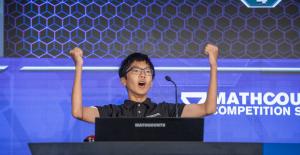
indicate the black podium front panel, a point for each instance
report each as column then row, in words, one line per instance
column 146, row 148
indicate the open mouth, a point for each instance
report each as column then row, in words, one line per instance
column 142, row 83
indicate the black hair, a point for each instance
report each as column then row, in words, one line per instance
column 126, row 63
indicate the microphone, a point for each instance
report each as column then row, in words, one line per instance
column 168, row 78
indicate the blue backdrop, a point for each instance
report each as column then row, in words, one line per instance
column 35, row 98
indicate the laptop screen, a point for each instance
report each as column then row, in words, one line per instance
column 149, row 129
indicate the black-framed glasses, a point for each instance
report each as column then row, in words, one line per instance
column 138, row 71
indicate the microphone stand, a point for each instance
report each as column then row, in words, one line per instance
column 168, row 78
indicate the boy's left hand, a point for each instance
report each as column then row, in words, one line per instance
column 212, row 51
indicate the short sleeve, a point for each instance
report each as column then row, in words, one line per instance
column 171, row 109
column 108, row 110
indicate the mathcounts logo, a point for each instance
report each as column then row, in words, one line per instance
column 261, row 3
column 250, row 103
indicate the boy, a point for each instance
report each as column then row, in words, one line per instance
column 136, row 74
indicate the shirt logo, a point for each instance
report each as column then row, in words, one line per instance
column 154, row 115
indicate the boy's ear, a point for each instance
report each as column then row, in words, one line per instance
column 123, row 81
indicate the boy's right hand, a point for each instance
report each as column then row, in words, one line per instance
column 76, row 54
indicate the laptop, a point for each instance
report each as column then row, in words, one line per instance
column 149, row 129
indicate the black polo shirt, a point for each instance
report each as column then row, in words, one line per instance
column 140, row 109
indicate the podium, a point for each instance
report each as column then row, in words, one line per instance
column 146, row 148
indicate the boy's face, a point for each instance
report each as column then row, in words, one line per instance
column 138, row 79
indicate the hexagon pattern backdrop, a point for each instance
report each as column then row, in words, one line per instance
column 160, row 28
